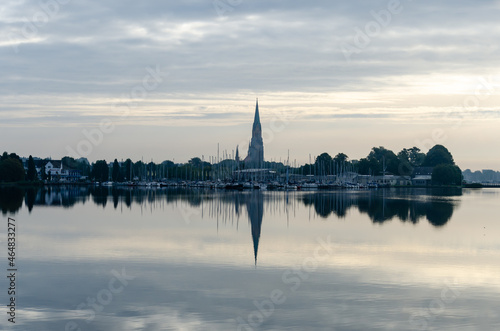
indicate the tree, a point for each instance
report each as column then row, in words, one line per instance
column 128, row 169
column 151, row 170
column 138, row 169
column 100, row 171
column 365, row 167
column 69, row 162
column 4, row 156
column 323, row 164
column 374, row 163
column 32, row 174
column 168, row 164
column 438, row 155
column 11, row 169
column 447, row 174
column 340, row 158
column 409, row 159
column 412, row 156
column 116, row 171
column 43, row 174
column 195, row 162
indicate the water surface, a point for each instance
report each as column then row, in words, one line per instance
column 132, row 259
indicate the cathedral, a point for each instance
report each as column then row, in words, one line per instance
column 255, row 157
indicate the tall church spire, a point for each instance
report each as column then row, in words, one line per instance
column 257, row 129
column 257, row 117
column 255, row 157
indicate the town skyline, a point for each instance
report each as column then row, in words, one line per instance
column 255, row 154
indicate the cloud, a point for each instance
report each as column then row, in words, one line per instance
column 87, row 55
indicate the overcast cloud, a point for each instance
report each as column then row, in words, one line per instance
column 409, row 75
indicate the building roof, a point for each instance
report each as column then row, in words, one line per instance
column 422, row 171
column 55, row 164
column 257, row 116
column 423, row 177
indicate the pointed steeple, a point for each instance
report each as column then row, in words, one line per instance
column 255, row 157
column 257, row 116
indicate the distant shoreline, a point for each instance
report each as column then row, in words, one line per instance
column 41, row 184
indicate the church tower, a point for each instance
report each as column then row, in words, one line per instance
column 255, row 157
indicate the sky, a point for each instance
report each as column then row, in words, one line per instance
column 165, row 80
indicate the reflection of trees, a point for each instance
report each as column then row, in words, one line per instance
column 381, row 209
column 11, row 199
column 30, row 198
column 410, row 205
column 439, row 213
column 100, row 195
column 116, row 197
column 324, row 204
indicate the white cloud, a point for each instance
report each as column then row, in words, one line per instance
column 78, row 62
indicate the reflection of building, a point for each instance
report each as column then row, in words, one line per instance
column 255, row 157
column 255, row 208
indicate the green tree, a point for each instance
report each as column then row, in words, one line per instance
column 409, row 159
column 100, row 171
column 323, row 164
column 139, row 170
column 374, row 163
column 32, row 174
column 11, row 169
column 152, row 170
column 195, row 162
column 446, row 174
column 168, row 164
column 340, row 158
column 412, row 156
column 69, row 162
column 43, row 174
column 365, row 167
column 116, row 171
column 128, row 169
column 15, row 157
column 438, row 155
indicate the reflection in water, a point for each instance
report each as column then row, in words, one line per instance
column 381, row 208
column 188, row 276
column 255, row 208
column 408, row 205
column 11, row 199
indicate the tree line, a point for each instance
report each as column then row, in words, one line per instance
column 378, row 162
column 382, row 161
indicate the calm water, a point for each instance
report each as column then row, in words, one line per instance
column 108, row 259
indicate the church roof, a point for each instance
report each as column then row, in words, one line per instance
column 256, row 119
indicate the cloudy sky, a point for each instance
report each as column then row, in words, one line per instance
column 172, row 79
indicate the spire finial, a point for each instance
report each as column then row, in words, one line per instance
column 257, row 116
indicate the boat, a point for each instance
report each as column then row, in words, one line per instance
column 309, row 186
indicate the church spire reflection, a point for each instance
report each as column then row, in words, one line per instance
column 255, row 209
